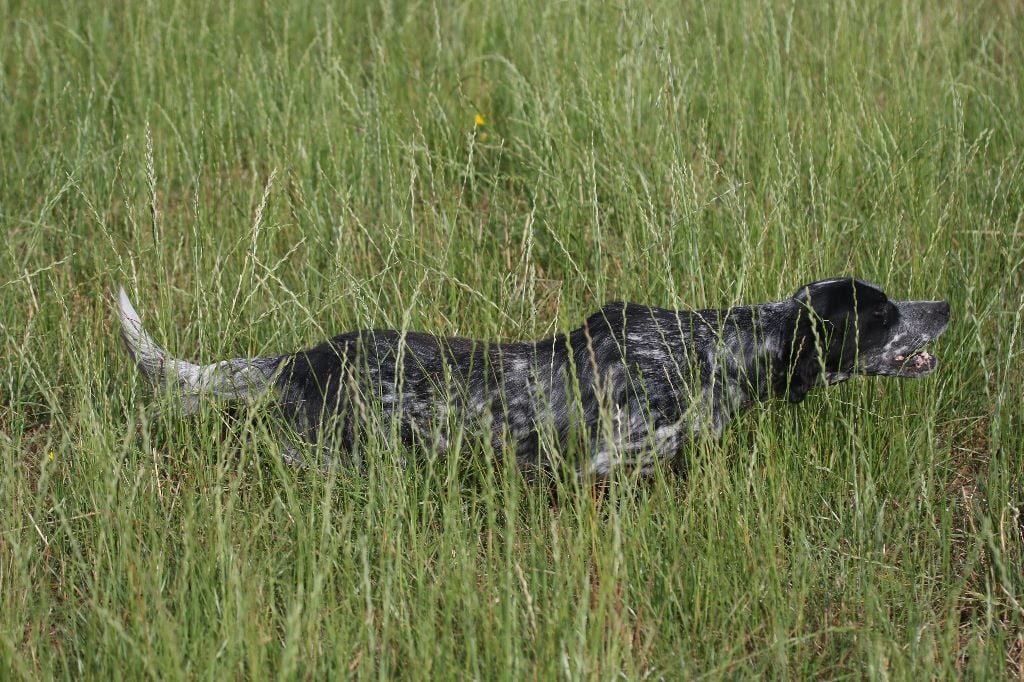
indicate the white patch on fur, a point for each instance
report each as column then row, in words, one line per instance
column 894, row 343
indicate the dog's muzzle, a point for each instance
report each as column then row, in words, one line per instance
column 921, row 323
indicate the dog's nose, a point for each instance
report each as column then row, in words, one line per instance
column 942, row 309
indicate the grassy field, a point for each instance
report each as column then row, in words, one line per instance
column 261, row 175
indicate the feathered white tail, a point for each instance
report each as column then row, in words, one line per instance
column 234, row 379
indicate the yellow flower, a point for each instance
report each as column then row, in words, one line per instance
column 51, row 456
column 479, row 120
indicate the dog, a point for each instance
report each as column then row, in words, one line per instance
column 630, row 387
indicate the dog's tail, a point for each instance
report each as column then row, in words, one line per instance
column 236, row 379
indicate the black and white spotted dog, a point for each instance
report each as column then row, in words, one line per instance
column 631, row 386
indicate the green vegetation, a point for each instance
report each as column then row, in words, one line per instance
column 262, row 175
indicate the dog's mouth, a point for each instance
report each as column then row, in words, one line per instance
column 917, row 364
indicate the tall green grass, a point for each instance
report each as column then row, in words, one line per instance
column 264, row 174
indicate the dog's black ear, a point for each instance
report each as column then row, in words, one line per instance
column 826, row 291
column 810, row 336
column 805, row 372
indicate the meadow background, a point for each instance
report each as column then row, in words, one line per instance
column 261, row 175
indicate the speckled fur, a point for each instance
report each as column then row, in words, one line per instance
column 632, row 385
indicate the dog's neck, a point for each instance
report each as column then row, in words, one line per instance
column 759, row 352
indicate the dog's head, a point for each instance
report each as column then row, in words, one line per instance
column 845, row 327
